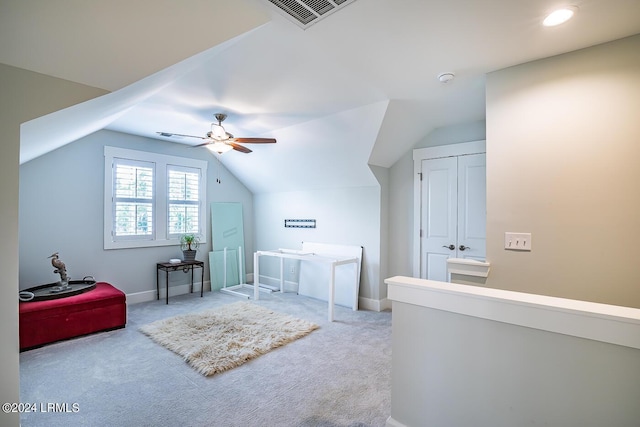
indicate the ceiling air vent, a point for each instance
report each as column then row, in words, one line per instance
column 307, row 12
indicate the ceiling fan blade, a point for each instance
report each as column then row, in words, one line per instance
column 239, row 147
column 255, row 140
column 203, row 144
column 218, row 135
column 168, row 135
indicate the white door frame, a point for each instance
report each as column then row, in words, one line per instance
column 420, row 154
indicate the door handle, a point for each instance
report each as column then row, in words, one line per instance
column 450, row 247
column 463, row 247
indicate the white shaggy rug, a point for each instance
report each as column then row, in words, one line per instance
column 219, row 339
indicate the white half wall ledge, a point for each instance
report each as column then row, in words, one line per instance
column 600, row 322
column 468, row 267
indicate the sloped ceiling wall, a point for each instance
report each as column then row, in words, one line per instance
column 46, row 133
column 324, row 153
column 271, row 77
column 112, row 44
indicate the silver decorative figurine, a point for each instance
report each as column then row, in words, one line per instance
column 60, row 269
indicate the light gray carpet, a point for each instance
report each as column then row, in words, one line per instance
column 337, row 376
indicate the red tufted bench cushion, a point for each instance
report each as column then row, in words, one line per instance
column 100, row 309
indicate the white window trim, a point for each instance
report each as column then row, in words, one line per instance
column 160, row 215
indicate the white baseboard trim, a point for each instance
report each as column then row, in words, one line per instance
column 275, row 281
column 138, row 297
column 374, row 304
column 393, row 423
column 145, row 296
column 289, row 286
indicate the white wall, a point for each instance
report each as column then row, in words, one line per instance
column 10, row 150
column 61, row 210
column 382, row 175
column 25, row 96
column 344, row 216
column 464, row 356
column 563, row 164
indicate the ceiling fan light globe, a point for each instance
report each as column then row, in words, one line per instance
column 219, row 147
column 218, row 132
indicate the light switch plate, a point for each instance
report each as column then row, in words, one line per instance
column 517, row 241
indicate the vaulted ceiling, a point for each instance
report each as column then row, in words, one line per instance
column 357, row 88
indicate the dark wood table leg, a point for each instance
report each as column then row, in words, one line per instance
column 192, row 268
column 167, row 287
column 157, row 283
column 202, row 282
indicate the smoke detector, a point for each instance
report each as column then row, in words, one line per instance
column 445, row 77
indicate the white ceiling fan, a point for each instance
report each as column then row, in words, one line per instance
column 221, row 141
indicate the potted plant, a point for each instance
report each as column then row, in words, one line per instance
column 189, row 244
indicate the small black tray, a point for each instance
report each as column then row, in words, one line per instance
column 47, row 292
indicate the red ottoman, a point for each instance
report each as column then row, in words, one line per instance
column 100, row 309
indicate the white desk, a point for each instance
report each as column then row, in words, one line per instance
column 331, row 260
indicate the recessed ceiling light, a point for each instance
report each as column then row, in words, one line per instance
column 559, row 16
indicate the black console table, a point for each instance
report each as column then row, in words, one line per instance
column 182, row 265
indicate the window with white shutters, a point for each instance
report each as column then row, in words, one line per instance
column 152, row 199
column 133, row 199
column 184, row 200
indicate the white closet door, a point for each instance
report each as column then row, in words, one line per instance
column 438, row 217
column 453, row 212
column 472, row 207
